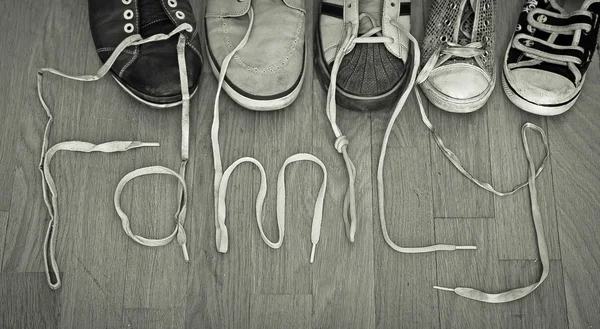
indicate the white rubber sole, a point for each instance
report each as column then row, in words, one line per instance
column 530, row 107
column 261, row 105
column 151, row 104
column 454, row 105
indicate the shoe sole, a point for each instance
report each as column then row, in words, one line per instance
column 145, row 99
column 355, row 102
column 543, row 110
column 263, row 105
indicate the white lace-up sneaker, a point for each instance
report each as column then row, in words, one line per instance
column 458, row 73
column 548, row 56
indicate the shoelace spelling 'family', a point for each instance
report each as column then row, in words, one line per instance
column 367, row 59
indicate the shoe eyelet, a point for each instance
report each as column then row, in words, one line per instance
column 542, row 19
column 392, row 4
column 519, row 28
column 454, row 6
column 180, row 14
column 485, row 54
column 126, row 2
column 443, row 38
column 486, row 6
column 447, row 22
column 486, row 39
column 486, row 23
column 172, row 3
column 128, row 28
column 128, row 14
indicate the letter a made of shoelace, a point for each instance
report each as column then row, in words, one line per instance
column 470, row 293
column 222, row 178
column 51, row 266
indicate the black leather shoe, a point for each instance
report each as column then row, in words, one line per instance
column 149, row 72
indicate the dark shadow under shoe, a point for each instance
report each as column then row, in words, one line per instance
column 148, row 72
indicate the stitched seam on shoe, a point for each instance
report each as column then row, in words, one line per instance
column 278, row 66
column 194, row 49
column 154, row 21
column 101, row 50
column 133, row 58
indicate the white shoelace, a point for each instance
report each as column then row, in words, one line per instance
column 51, row 266
column 222, row 178
column 473, row 50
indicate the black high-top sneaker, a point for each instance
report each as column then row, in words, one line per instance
column 549, row 54
column 373, row 65
column 149, row 72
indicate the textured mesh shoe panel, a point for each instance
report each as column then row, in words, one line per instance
column 370, row 70
column 446, row 17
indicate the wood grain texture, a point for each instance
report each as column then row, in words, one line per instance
column 280, row 311
column 153, row 318
column 575, row 148
column 3, row 227
column 111, row 281
column 481, row 269
column 27, row 302
column 279, row 135
column 343, row 271
column 509, row 165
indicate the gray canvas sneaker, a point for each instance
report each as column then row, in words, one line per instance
column 548, row 56
column 458, row 73
column 267, row 72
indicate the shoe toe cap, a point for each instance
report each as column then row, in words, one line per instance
column 459, row 81
column 370, row 70
column 154, row 74
column 541, row 87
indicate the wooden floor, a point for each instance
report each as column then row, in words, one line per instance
column 109, row 281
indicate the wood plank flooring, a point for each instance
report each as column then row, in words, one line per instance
column 109, row 281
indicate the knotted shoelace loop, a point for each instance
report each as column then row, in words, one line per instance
column 341, row 142
column 51, row 267
column 221, row 178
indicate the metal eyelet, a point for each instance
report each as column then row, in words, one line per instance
column 542, row 19
column 486, row 23
column 519, row 28
column 180, row 14
column 129, row 28
column 126, row 2
column 128, row 14
column 172, row 3
column 443, row 38
column 486, row 38
column 454, row 6
column 447, row 22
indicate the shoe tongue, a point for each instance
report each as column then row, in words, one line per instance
column 465, row 33
column 373, row 8
column 153, row 18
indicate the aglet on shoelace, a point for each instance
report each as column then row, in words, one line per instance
column 221, row 178
column 51, row 266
